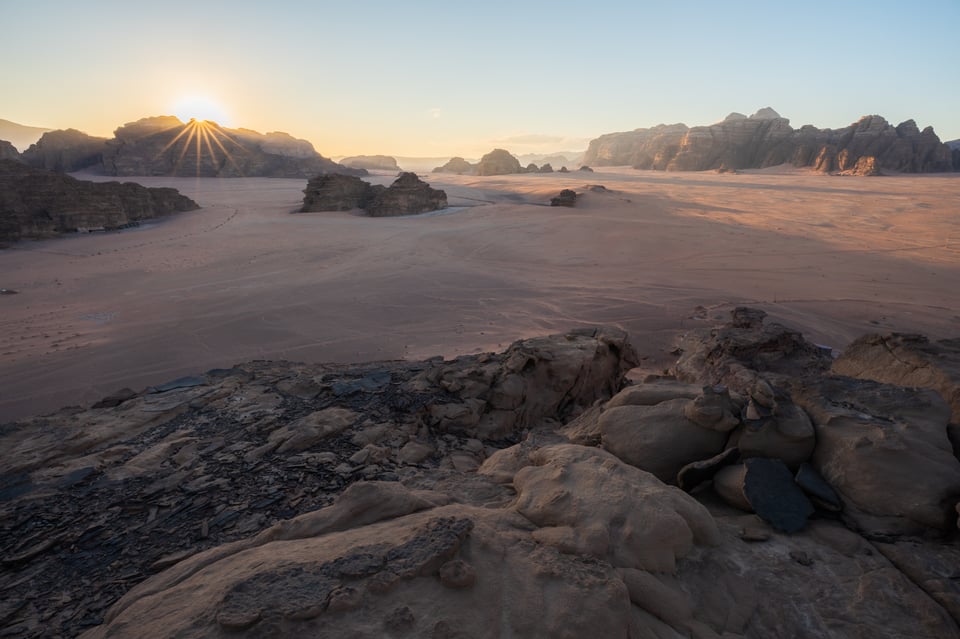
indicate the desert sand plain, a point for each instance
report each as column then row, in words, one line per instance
column 656, row 254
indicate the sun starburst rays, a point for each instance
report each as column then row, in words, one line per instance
column 204, row 139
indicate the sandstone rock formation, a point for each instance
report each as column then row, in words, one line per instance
column 35, row 203
column 456, row 165
column 66, row 151
column 408, row 195
column 166, row 146
column 371, row 162
column 498, row 162
column 766, row 139
column 336, row 192
column 468, row 498
column 8, row 151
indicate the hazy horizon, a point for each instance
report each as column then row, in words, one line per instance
column 442, row 80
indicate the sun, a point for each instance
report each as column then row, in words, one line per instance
column 200, row 108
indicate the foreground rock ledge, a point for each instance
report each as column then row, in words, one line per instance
column 529, row 493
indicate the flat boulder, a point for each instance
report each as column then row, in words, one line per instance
column 885, row 451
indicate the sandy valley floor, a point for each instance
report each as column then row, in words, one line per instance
column 243, row 279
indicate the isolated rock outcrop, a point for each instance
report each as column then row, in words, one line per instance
column 66, row 151
column 336, row 192
column 408, row 195
column 166, row 146
column 456, row 165
column 566, row 198
column 35, row 203
column 498, row 162
column 371, row 162
column 765, row 139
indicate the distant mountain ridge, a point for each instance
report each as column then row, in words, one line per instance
column 766, row 139
column 166, row 146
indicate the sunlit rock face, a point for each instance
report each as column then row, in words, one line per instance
column 765, row 139
column 35, row 203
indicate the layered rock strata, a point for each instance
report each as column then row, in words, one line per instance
column 35, row 203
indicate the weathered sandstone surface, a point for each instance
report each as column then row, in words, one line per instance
column 764, row 139
column 531, row 493
column 35, row 203
column 408, row 195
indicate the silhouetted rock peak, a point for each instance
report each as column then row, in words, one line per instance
column 498, row 162
column 164, row 145
column 37, row 203
column 65, row 150
column 766, row 139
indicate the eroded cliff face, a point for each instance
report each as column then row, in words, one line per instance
column 35, row 203
column 765, row 139
column 8, row 151
column 534, row 493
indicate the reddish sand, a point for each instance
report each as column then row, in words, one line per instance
column 243, row 279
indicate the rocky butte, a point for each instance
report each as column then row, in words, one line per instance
column 408, row 195
column 35, row 203
column 765, row 139
column 761, row 490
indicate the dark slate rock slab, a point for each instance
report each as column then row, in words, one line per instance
column 774, row 495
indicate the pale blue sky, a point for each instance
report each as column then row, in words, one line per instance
column 447, row 77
